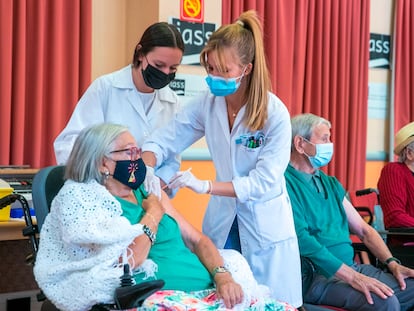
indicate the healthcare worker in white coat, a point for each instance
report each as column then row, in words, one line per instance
column 248, row 133
column 137, row 96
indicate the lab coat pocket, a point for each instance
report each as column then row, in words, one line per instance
column 248, row 157
column 248, row 147
column 274, row 220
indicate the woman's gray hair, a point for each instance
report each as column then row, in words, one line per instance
column 90, row 147
column 402, row 157
column 304, row 124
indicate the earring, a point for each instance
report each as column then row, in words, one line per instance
column 105, row 176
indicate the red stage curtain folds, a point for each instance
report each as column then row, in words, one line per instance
column 45, row 61
column 318, row 57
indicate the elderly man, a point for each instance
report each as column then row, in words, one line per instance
column 323, row 220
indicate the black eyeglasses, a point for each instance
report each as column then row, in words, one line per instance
column 132, row 153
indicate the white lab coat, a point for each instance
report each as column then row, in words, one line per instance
column 114, row 98
column 267, row 234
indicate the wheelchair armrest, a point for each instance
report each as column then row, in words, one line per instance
column 308, row 271
column 366, row 191
column 129, row 296
column 133, row 296
column 401, row 230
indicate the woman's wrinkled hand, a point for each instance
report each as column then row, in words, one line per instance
column 228, row 290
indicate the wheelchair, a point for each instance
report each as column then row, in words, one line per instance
column 367, row 202
column 46, row 184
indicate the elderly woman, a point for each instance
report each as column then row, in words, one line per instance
column 396, row 185
column 102, row 217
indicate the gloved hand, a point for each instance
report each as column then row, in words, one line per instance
column 187, row 179
column 152, row 182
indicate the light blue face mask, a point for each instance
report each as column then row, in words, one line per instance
column 323, row 154
column 220, row 86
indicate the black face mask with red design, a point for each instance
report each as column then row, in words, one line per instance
column 130, row 173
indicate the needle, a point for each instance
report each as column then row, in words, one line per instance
column 166, row 186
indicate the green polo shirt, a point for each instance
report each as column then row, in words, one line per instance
column 320, row 220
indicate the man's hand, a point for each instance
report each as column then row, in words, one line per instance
column 400, row 273
column 366, row 285
column 152, row 183
column 187, row 179
column 228, row 290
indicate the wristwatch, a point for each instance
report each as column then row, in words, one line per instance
column 391, row 259
column 219, row 269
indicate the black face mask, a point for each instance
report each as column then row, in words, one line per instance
column 130, row 173
column 155, row 78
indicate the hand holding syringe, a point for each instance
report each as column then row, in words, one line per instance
column 186, row 179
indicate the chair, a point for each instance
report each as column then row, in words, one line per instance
column 364, row 201
column 367, row 201
column 46, row 184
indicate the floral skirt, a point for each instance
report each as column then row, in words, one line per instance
column 173, row 300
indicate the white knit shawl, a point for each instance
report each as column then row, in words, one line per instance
column 81, row 241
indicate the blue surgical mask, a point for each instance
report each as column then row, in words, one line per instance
column 220, row 86
column 323, row 154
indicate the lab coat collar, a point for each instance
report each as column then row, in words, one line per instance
column 123, row 80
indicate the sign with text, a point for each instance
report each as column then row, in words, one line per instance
column 188, row 86
column 195, row 36
column 379, row 51
column 192, row 10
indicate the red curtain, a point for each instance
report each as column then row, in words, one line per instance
column 404, row 64
column 318, row 53
column 45, row 61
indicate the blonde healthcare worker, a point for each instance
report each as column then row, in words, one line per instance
column 248, row 133
column 137, row 96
